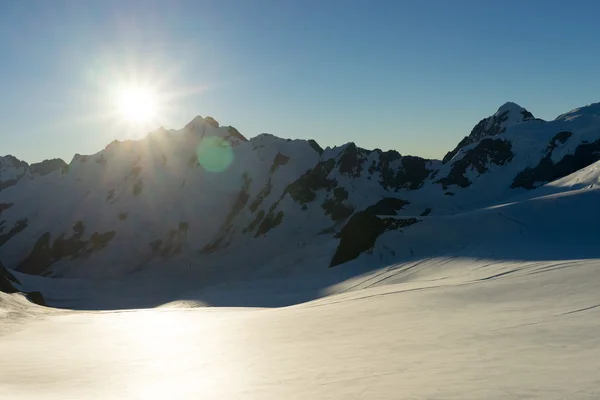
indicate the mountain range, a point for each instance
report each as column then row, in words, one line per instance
column 206, row 197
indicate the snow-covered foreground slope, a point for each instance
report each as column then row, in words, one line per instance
column 469, row 335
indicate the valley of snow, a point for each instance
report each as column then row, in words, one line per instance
column 296, row 272
column 444, row 328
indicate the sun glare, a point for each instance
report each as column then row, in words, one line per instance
column 137, row 105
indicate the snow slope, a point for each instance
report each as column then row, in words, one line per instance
column 529, row 334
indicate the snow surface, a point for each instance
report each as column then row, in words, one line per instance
column 474, row 329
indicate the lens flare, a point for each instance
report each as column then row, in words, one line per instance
column 214, row 154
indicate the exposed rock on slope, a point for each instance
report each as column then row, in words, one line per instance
column 8, row 282
column 479, row 158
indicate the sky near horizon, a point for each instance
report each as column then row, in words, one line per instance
column 414, row 76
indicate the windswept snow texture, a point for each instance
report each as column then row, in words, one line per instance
column 338, row 273
column 444, row 327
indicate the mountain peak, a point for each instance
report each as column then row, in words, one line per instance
column 14, row 161
column 11, row 170
column 199, row 121
column 514, row 113
column 47, row 166
column 508, row 114
column 196, row 122
column 509, row 106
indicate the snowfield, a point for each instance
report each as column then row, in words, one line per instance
column 454, row 329
column 518, row 323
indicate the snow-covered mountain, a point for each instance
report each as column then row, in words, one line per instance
column 12, row 170
column 478, row 272
column 205, row 197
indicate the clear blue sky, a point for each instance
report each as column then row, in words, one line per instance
column 414, row 76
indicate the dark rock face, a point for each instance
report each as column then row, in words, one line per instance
column 547, row 171
column 235, row 134
column 261, row 196
column 383, row 165
column 279, row 161
column 138, row 187
column 7, row 280
column 257, row 219
column 487, row 151
column 387, row 206
column 224, row 237
column 8, row 183
column 334, row 206
column 396, row 173
column 361, row 232
column 18, row 227
column 47, row 166
column 36, row 297
column 463, row 143
column 241, row 200
column 315, row 146
column 5, row 206
column 426, row 212
column 527, row 115
column 110, row 196
column 135, row 171
column 46, row 252
column 303, row 190
column 558, row 139
column 171, row 243
column 269, row 222
column 411, row 176
column 411, row 173
column 351, row 160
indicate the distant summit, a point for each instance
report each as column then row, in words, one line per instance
column 208, row 126
column 508, row 114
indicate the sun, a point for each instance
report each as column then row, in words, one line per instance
column 138, row 105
